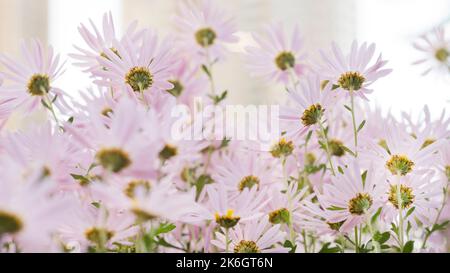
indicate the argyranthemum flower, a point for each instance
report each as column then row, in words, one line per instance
column 142, row 68
column 420, row 198
column 257, row 236
column 29, row 214
column 203, row 30
column 119, row 146
column 351, row 198
column 279, row 56
column 309, row 106
column 227, row 210
column 352, row 72
column 44, row 150
column 401, row 154
column 436, row 49
column 95, row 229
column 97, row 41
column 187, row 84
column 428, row 129
column 244, row 169
column 32, row 80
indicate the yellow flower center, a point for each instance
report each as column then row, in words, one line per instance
column 282, row 148
column 399, row 165
column 442, row 54
column 285, row 60
column 9, row 223
column 279, row 216
column 246, row 247
column 38, row 85
column 113, row 159
column 406, row 196
column 360, row 203
column 135, row 185
column 139, row 78
column 248, row 182
column 228, row 220
column 312, row 115
column 168, row 152
column 205, row 37
column 336, row 147
column 351, row 81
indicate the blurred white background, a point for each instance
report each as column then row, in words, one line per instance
column 392, row 24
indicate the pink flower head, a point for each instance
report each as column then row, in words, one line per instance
column 253, row 237
column 97, row 40
column 278, row 57
column 203, row 30
column 309, row 104
column 436, row 49
column 141, row 69
column 31, row 81
column 352, row 72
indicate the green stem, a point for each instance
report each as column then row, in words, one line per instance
column 289, row 197
column 356, row 240
column 327, row 148
column 227, row 241
column 400, row 215
column 372, row 233
column 355, row 132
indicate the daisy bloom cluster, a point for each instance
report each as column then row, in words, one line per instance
column 112, row 169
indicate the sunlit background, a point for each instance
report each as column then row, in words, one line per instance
column 392, row 24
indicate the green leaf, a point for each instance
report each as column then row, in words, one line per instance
column 363, row 177
column 164, row 228
column 376, row 215
column 409, row 212
column 348, row 108
column 70, row 120
column 206, row 70
column 96, row 204
column 345, row 148
column 308, row 136
column 45, row 104
column 80, row 178
column 382, row 237
column 340, row 169
column 326, row 249
column 202, row 180
column 289, row 244
column 361, row 126
column 334, row 208
column 409, row 247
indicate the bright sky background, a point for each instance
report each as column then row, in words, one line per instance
column 392, row 24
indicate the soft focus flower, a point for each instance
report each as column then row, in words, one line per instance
column 97, row 40
column 309, row 106
column 253, row 237
column 278, row 57
column 141, row 69
column 31, row 81
column 436, row 49
column 203, row 30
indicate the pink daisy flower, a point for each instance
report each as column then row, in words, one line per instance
column 46, row 151
column 203, row 30
column 31, row 81
column 350, row 198
column 244, row 169
column 29, row 213
column 436, row 49
column 97, row 41
column 227, row 210
column 253, row 237
column 421, row 197
column 352, row 72
column 277, row 57
column 187, row 84
column 120, row 147
column 141, row 69
column 401, row 154
column 310, row 103
column 95, row 229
